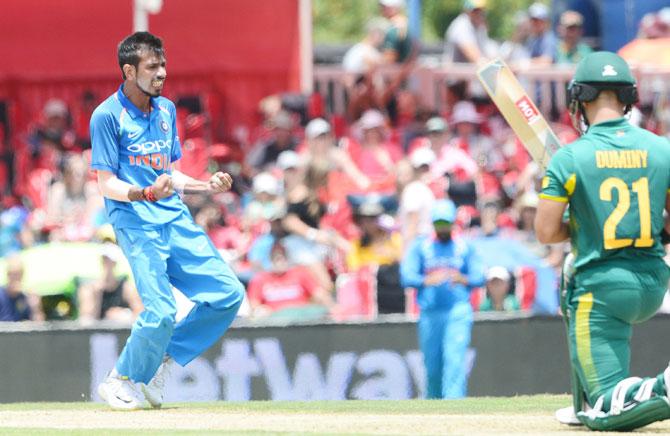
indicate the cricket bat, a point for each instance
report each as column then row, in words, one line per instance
column 519, row 110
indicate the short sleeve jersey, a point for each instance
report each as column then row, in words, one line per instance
column 137, row 147
column 615, row 178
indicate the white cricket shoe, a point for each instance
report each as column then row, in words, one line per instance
column 121, row 393
column 567, row 416
column 155, row 389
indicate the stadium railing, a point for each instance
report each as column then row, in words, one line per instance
column 429, row 82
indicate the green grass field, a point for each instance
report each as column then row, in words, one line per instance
column 516, row 415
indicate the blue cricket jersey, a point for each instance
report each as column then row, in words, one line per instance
column 426, row 255
column 137, row 147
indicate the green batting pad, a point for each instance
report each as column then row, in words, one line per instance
column 652, row 410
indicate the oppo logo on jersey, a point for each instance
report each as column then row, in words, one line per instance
column 150, row 146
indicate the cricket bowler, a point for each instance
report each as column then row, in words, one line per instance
column 615, row 179
column 135, row 141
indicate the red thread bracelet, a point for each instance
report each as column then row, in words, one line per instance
column 148, row 194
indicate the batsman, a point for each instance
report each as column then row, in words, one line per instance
column 616, row 180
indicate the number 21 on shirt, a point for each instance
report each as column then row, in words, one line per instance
column 641, row 189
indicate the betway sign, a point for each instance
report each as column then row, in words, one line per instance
column 241, row 363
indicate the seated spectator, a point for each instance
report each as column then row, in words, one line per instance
column 467, row 39
column 370, row 91
column 266, row 191
column 513, row 50
column 110, row 297
column 259, row 253
column 321, row 145
column 378, row 244
column 498, row 297
column 365, row 55
column 16, row 304
column 570, row 49
column 265, row 153
column 450, row 158
column 73, row 203
column 307, row 243
column 470, row 139
column 417, row 199
column 375, row 156
column 542, row 42
column 285, row 287
column 398, row 43
column 55, row 126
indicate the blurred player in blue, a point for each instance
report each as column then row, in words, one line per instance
column 135, row 142
column 443, row 271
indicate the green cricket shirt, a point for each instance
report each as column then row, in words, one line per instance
column 615, row 178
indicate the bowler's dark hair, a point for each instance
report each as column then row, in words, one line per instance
column 130, row 49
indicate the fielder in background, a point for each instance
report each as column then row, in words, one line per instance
column 616, row 179
column 443, row 271
column 135, row 142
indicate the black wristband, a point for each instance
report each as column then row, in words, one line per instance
column 665, row 237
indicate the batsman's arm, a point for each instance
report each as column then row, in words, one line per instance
column 665, row 232
column 549, row 225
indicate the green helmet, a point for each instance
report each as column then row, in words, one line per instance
column 602, row 70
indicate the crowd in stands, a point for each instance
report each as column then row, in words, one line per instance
column 323, row 206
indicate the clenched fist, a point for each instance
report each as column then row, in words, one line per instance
column 162, row 187
column 220, row 182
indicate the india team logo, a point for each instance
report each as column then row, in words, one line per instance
column 164, row 126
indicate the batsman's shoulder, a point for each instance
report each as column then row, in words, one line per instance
column 564, row 156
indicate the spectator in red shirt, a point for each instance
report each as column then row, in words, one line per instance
column 284, row 287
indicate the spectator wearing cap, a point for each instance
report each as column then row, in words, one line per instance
column 443, row 271
column 16, row 303
column 467, row 39
column 570, row 49
column 110, row 296
column 498, row 296
column 417, row 199
column 267, row 194
column 436, row 136
column 397, row 45
column 375, row 156
column 365, row 56
column 378, row 244
column 467, row 122
column 450, row 159
column 287, row 290
column 265, row 153
column 542, row 42
column 321, row 146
